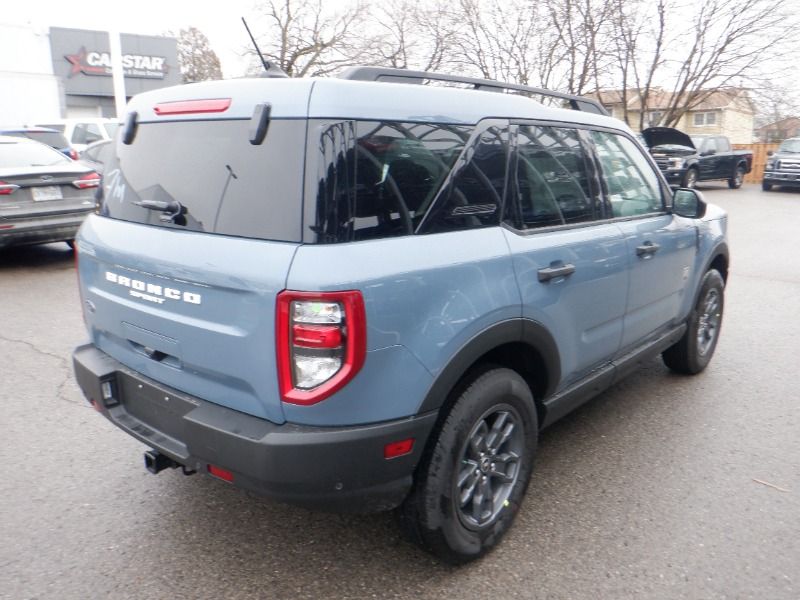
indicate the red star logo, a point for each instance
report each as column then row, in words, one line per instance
column 77, row 61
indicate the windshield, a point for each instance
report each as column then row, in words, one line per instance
column 111, row 129
column 28, row 154
column 792, row 145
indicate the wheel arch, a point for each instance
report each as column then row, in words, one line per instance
column 522, row 345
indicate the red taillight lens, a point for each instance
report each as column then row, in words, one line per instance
column 90, row 180
column 322, row 343
column 6, row 189
column 73, row 154
column 188, row 107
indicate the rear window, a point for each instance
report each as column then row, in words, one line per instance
column 26, row 154
column 207, row 176
column 51, row 138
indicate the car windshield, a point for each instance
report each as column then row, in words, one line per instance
column 792, row 146
column 111, row 129
column 28, row 154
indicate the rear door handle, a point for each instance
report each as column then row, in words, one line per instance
column 549, row 273
column 647, row 249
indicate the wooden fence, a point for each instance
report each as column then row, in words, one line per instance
column 759, row 159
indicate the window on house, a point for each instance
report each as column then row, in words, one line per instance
column 654, row 118
column 705, row 118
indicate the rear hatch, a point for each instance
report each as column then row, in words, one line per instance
column 199, row 220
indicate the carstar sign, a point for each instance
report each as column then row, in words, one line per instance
column 99, row 63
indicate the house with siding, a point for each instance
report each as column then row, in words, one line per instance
column 725, row 111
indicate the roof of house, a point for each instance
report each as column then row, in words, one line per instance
column 660, row 99
column 786, row 123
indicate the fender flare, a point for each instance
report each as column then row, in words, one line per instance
column 526, row 331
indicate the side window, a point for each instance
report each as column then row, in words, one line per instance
column 473, row 195
column 629, row 179
column 86, row 133
column 79, row 134
column 710, row 145
column 552, row 178
column 379, row 178
column 723, row 145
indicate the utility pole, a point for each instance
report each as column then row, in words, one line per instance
column 118, row 75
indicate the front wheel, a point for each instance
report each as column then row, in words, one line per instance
column 737, row 180
column 690, row 179
column 692, row 353
column 766, row 186
column 470, row 485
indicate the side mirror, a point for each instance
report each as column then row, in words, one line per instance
column 688, row 203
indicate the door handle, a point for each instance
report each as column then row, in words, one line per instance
column 647, row 249
column 549, row 273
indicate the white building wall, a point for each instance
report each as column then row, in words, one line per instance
column 29, row 91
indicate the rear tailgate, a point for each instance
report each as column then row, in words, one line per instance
column 197, row 229
column 193, row 311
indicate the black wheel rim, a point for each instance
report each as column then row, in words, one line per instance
column 708, row 321
column 488, row 466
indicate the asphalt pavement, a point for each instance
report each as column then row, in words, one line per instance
column 663, row 487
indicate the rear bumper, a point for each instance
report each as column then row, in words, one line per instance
column 337, row 468
column 40, row 230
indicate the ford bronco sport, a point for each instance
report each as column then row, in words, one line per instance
column 358, row 294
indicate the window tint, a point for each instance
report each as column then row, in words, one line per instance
column 221, row 182
column 630, row 182
column 86, row 133
column 553, row 178
column 29, row 154
column 51, row 138
column 378, row 178
column 473, row 196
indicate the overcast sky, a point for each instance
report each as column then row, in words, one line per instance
column 220, row 21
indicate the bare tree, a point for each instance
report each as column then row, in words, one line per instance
column 307, row 38
column 197, row 60
column 414, row 34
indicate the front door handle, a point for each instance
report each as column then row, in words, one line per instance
column 549, row 273
column 647, row 249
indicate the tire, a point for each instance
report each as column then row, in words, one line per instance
column 737, row 180
column 766, row 186
column 692, row 353
column 690, row 179
column 457, row 523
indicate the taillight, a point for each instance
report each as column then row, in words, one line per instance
column 73, row 154
column 322, row 342
column 6, row 189
column 90, row 180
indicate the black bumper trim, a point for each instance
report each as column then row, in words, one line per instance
column 336, row 468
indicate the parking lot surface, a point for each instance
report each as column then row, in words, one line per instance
column 663, row 487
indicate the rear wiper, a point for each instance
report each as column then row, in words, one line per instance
column 173, row 210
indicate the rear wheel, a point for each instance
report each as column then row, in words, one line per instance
column 766, row 186
column 737, row 180
column 471, row 483
column 690, row 179
column 692, row 353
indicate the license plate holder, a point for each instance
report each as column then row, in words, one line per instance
column 44, row 193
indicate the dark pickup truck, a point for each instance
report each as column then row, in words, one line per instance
column 686, row 160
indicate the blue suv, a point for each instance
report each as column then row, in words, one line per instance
column 358, row 294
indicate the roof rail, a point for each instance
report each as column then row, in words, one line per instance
column 406, row 76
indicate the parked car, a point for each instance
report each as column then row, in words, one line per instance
column 44, row 196
column 685, row 160
column 97, row 154
column 363, row 305
column 783, row 166
column 84, row 131
column 51, row 137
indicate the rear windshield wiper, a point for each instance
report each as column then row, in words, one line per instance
column 173, row 210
